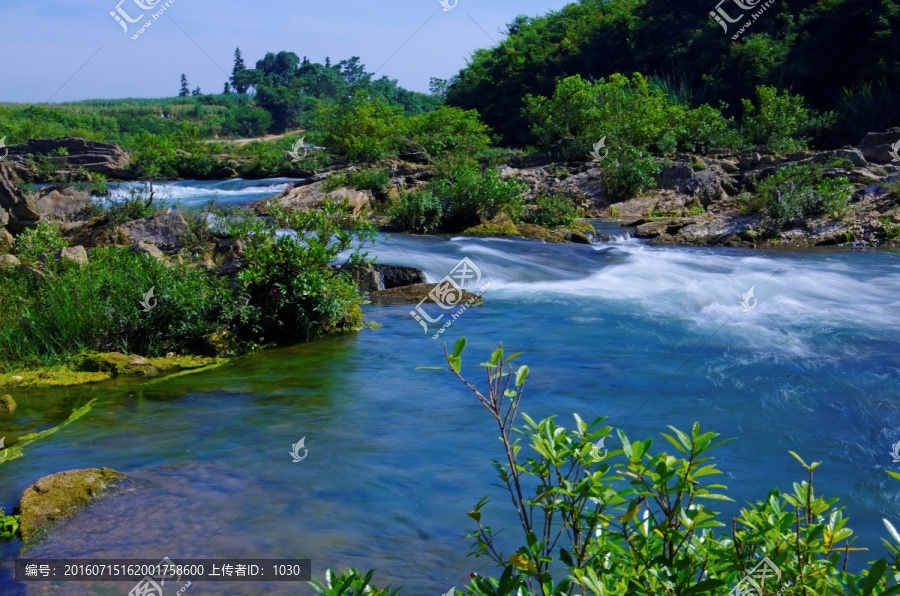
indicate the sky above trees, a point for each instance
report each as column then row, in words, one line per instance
column 62, row 51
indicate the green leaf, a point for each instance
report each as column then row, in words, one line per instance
column 874, row 577
column 521, row 375
column 799, row 459
column 459, row 347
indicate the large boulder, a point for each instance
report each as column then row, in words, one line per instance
column 60, row 496
column 64, row 204
column 396, row 276
column 311, row 196
column 877, row 146
column 16, row 213
column 165, row 229
column 76, row 254
column 105, row 158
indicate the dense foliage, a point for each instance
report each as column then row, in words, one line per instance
column 640, row 520
column 792, row 45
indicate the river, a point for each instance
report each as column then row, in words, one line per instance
column 399, row 452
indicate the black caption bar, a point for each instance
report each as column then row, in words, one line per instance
column 154, row 570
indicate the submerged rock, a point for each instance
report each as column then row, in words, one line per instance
column 60, row 496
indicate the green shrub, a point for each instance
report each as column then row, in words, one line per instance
column 9, row 525
column 365, row 129
column 780, row 121
column 36, row 242
column 447, row 130
column 628, row 173
column 552, row 211
column 796, row 192
column 417, row 211
column 292, row 293
column 470, row 196
column 137, row 205
column 372, row 179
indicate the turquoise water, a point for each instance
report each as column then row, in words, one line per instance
column 648, row 336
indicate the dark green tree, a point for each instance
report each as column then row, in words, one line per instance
column 184, row 87
column 237, row 82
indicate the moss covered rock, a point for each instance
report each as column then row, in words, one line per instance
column 60, row 496
column 503, row 226
column 116, row 363
column 7, row 404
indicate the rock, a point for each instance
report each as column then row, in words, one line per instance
column 75, row 254
column 7, row 404
column 310, row 196
column 358, row 200
column 165, row 229
column 16, row 213
column 658, row 228
column 146, row 249
column 877, row 146
column 9, row 261
column 105, row 158
column 64, row 204
column 231, row 248
column 396, row 276
column 416, row 293
column 707, row 187
column 364, row 276
column 60, row 496
column 7, row 242
column 674, row 175
column 115, row 363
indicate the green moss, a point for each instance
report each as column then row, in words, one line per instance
column 117, row 364
column 16, row 450
column 501, row 225
column 353, row 320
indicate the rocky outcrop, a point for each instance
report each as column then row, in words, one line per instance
column 416, row 293
column 60, row 496
column 105, row 158
column 877, row 146
column 165, row 229
column 65, row 204
column 372, row 277
column 146, row 249
column 16, row 213
column 310, row 196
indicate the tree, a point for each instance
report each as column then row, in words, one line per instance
column 227, row 90
column 196, row 92
column 239, row 84
column 184, row 87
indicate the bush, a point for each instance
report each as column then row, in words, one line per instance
column 417, row 211
column 365, row 129
column 629, row 173
column 470, row 196
column 137, row 205
column 639, row 520
column 291, row 291
column 38, row 241
column 552, row 211
column 372, row 179
column 796, row 192
column 780, row 121
column 447, row 130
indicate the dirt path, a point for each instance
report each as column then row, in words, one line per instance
column 265, row 138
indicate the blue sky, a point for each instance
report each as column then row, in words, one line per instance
column 47, row 46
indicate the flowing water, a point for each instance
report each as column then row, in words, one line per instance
column 399, row 452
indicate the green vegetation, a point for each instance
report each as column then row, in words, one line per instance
column 795, row 192
column 470, row 196
column 640, row 520
column 552, row 211
column 288, row 292
column 417, row 211
column 9, row 525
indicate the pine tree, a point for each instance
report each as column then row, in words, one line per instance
column 227, row 90
column 196, row 92
column 184, row 87
column 235, row 72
